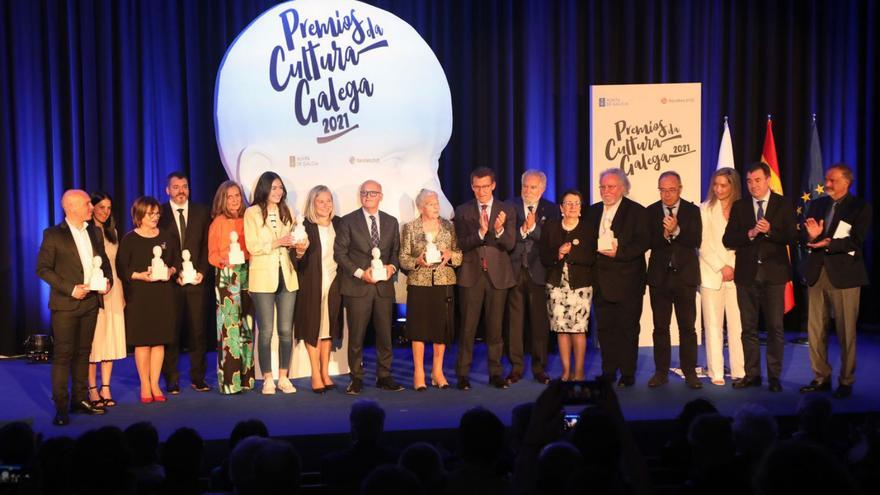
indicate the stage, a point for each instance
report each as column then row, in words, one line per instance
column 26, row 392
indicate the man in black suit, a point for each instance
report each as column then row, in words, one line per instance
column 65, row 262
column 760, row 228
column 529, row 296
column 366, row 298
column 835, row 230
column 676, row 231
column 486, row 230
column 622, row 237
column 188, row 223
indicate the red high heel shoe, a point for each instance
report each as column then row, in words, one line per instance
column 159, row 398
column 146, row 400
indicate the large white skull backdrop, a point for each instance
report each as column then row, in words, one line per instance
column 334, row 93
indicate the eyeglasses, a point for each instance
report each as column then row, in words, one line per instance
column 668, row 190
column 156, row 214
column 370, row 194
column 571, row 203
column 609, row 187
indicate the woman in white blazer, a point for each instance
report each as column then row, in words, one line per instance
column 272, row 281
column 717, row 290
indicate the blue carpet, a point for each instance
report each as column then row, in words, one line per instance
column 26, row 392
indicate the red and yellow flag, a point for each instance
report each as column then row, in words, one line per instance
column 768, row 156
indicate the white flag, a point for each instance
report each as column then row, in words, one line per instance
column 725, row 151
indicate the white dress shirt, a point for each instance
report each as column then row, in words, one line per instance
column 83, row 248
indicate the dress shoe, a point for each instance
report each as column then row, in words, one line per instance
column 355, row 387
column 816, row 386
column 388, row 383
column 86, row 407
column 626, row 381
column 842, row 392
column 659, row 378
column 463, row 383
column 542, row 378
column 61, row 419
column 497, row 382
column 747, row 382
column 773, row 385
column 172, row 388
column 285, row 386
column 200, row 386
column 693, row 382
column 513, row 377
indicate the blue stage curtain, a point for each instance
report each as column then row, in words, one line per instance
column 114, row 94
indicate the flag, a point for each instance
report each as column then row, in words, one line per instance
column 768, row 156
column 725, row 151
column 812, row 187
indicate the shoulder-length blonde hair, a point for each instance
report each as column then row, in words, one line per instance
column 309, row 210
column 733, row 179
column 219, row 205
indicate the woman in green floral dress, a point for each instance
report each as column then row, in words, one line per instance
column 235, row 311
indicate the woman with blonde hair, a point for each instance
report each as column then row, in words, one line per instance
column 318, row 315
column 235, row 310
column 717, row 289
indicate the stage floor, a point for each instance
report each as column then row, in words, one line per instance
column 26, row 392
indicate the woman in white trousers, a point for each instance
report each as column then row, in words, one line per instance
column 717, row 290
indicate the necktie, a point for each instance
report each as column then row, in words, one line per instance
column 182, row 222
column 829, row 217
column 374, row 231
column 760, row 213
column 672, row 253
column 485, row 218
column 528, row 243
column 670, row 208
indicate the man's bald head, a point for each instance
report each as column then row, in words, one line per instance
column 77, row 205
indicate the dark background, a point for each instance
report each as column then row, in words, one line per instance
column 112, row 95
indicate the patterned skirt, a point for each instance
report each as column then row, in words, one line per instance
column 235, row 330
column 569, row 309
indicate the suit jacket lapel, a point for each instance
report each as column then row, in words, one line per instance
column 619, row 216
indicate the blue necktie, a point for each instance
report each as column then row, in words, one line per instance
column 374, row 232
column 760, row 214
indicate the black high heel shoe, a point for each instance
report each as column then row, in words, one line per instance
column 107, row 402
column 441, row 386
column 320, row 390
column 99, row 403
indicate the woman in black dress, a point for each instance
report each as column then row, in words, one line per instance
column 429, row 285
column 318, row 315
column 569, row 252
column 149, row 303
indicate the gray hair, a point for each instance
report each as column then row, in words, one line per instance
column 534, row 173
column 423, row 195
column 620, row 176
column 669, row 173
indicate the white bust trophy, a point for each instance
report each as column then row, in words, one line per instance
column 432, row 254
column 236, row 255
column 606, row 240
column 97, row 281
column 158, row 269
column 378, row 269
column 299, row 232
column 189, row 272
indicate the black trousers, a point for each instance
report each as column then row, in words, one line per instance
column 527, row 299
column 473, row 300
column 672, row 294
column 618, row 327
column 72, row 332
column 360, row 310
column 770, row 301
column 190, row 319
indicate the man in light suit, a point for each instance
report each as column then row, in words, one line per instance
column 760, row 228
column 364, row 297
column 65, row 262
column 485, row 228
column 528, row 298
column 835, row 230
column 619, row 285
column 187, row 223
column 676, row 230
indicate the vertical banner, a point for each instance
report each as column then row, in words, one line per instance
column 645, row 130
